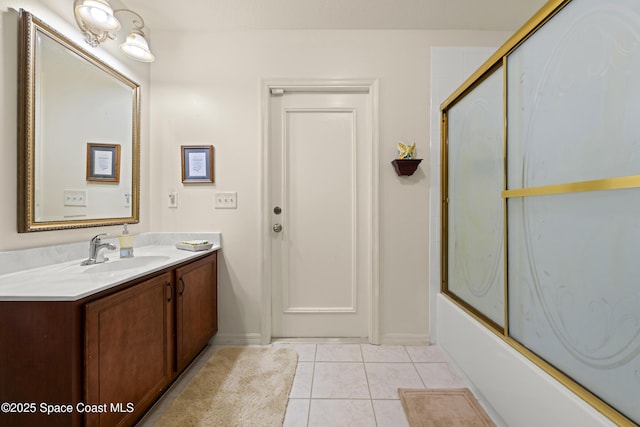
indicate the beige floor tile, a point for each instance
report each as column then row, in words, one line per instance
column 341, row 413
column 301, row 388
column 439, row 375
column 339, row 380
column 338, row 353
column 389, row 413
column 386, row 378
column 426, row 354
column 384, row 353
column 297, row 413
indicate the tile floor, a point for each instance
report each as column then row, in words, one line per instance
column 346, row 384
column 357, row 384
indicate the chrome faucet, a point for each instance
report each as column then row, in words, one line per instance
column 95, row 250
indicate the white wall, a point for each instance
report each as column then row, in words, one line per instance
column 58, row 15
column 206, row 90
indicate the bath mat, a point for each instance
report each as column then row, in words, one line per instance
column 443, row 408
column 238, row 386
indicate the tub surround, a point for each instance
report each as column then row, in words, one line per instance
column 54, row 273
column 505, row 381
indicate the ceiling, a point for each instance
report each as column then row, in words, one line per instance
column 198, row 15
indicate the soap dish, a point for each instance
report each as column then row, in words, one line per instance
column 194, row 245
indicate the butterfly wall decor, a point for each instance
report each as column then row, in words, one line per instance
column 406, row 151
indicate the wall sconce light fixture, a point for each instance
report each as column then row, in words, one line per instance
column 98, row 23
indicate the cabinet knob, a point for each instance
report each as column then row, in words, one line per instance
column 277, row 228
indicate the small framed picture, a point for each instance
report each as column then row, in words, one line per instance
column 103, row 162
column 197, row 163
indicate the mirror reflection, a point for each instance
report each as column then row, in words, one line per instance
column 80, row 143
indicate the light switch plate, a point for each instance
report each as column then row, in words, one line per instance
column 173, row 199
column 226, row 200
column 75, row 197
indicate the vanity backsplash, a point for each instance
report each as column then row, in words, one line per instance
column 26, row 259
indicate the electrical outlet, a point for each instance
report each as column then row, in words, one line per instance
column 226, row 200
column 75, row 197
column 173, row 199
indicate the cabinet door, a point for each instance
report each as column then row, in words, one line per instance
column 128, row 351
column 196, row 308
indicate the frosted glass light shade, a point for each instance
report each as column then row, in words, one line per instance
column 98, row 13
column 137, row 47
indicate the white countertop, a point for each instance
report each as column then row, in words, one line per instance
column 69, row 281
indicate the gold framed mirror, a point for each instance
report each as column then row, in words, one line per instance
column 69, row 103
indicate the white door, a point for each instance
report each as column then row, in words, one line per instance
column 321, row 214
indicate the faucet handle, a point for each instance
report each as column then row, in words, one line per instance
column 96, row 238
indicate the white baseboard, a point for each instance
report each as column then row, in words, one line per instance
column 405, row 339
column 236, row 339
column 320, row 340
column 255, row 339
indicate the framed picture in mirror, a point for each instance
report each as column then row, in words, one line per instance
column 103, row 162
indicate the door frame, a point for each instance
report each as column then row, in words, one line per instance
column 370, row 87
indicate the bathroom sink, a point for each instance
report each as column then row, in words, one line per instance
column 119, row 264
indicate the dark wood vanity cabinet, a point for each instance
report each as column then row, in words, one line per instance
column 196, row 322
column 128, row 357
column 104, row 360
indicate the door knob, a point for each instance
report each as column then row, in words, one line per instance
column 277, row 228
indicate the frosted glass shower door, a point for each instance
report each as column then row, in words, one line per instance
column 573, row 227
column 475, row 209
